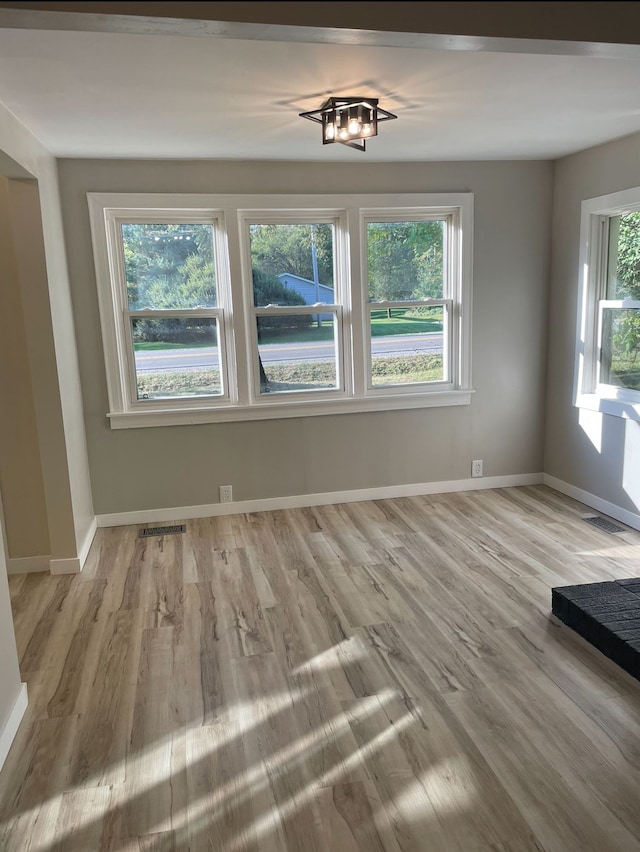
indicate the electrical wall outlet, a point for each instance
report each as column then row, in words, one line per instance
column 226, row 494
column 476, row 467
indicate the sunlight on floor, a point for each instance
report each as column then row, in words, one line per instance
column 298, row 800
column 620, row 550
column 447, row 787
column 153, row 769
column 352, row 649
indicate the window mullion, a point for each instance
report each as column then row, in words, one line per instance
column 356, row 272
column 239, row 308
column 459, row 323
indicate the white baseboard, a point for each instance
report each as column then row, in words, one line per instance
column 65, row 566
column 13, row 722
column 27, row 564
column 31, row 564
column 85, row 547
column 299, row 501
column 631, row 519
column 75, row 565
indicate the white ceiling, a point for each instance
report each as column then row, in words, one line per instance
column 102, row 94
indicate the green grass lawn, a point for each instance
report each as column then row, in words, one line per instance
column 283, row 377
column 381, row 326
column 625, row 372
column 155, row 345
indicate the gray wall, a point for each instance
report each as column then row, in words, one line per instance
column 159, row 467
column 597, row 453
column 21, row 482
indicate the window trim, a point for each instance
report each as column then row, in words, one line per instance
column 589, row 392
column 298, row 215
column 453, row 293
column 230, row 214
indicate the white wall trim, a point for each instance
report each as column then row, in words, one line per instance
column 299, row 501
column 85, row 547
column 631, row 519
column 261, row 411
column 75, row 565
column 27, row 564
column 65, row 566
column 12, row 724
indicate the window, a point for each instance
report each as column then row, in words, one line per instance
column 608, row 357
column 229, row 307
column 408, row 317
column 295, row 346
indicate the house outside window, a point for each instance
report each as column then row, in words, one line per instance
column 218, row 308
column 608, row 350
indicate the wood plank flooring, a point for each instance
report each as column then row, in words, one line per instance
column 368, row 676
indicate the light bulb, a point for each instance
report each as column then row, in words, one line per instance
column 344, row 133
column 329, row 131
column 354, row 126
column 366, row 129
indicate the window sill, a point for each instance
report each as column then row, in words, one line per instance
column 192, row 416
column 627, row 409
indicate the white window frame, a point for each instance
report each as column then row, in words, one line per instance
column 589, row 392
column 455, row 334
column 339, row 308
column 115, row 314
column 231, row 216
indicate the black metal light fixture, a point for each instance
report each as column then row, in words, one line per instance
column 350, row 121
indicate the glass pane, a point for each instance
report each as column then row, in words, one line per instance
column 624, row 257
column 292, row 264
column 620, row 361
column 297, row 352
column 407, row 346
column 169, row 266
column 405, row 260
column 176, row 357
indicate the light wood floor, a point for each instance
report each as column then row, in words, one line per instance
column 370, row 676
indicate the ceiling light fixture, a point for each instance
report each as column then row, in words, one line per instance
column 350, row 121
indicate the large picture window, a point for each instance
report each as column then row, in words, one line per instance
column 241, row 307
column 608, row 355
